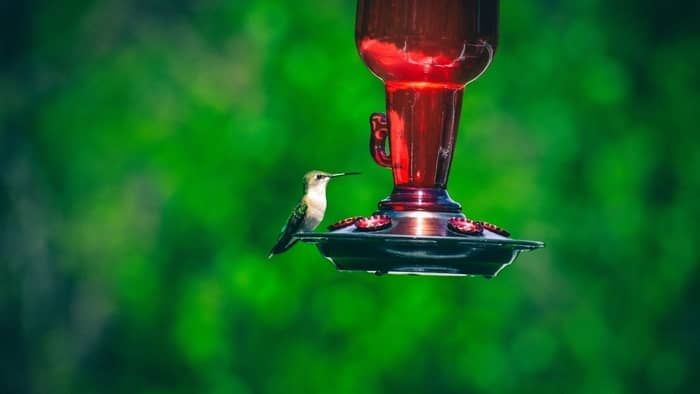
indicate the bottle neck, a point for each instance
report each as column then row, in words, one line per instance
column 423, row 121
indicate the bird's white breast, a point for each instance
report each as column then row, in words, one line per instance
column 316, row 207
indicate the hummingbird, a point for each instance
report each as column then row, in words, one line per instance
column 308, row 213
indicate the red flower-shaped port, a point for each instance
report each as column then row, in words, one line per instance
column 495, row 229
column 343, row 223
column 464, row 226
column 373, row 223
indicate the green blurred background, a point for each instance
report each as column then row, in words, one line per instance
column 151, row 150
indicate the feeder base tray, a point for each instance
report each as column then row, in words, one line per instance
column 418, row 255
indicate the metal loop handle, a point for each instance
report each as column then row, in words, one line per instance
column 377, row 139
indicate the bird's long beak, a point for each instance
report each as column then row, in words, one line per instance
column 343, row 174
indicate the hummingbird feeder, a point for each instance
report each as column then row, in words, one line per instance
column 425, row 52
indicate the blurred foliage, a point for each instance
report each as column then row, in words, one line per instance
column 150, row 151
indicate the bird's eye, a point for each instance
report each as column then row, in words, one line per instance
column 319, row 177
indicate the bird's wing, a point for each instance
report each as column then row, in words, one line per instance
column 286, row 238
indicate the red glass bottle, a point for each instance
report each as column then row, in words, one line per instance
column 425, row 52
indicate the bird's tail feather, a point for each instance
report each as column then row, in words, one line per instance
column 282, row 246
